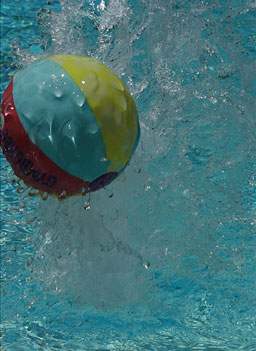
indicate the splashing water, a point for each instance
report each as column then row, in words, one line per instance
column 172, row 241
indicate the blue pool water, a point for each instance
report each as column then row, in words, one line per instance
column 164, row 259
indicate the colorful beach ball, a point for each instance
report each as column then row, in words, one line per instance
column 69, row 125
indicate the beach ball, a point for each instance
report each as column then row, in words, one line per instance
column 69, row 125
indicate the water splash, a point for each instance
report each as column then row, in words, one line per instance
column 193, row 161
column 181, row 223
column 81, row 258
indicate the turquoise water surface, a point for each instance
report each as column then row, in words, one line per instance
column 164, row 258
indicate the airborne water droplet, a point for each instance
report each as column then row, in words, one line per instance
column 109, row 191
column 45, row 196
column 146, row 265
column 62, row 196
column 21, row 190
column 87, row 206
column 34, row 192
column 85, row 191
column 103, row 159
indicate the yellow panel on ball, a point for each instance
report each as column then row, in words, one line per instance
column 111, row 103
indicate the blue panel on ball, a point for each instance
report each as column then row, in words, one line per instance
column 58, row 119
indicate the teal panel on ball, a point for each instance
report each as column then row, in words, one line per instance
column 58, row 119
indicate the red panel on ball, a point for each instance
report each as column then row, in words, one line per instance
column 28, row 161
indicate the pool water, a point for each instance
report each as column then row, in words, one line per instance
column 164, row 257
